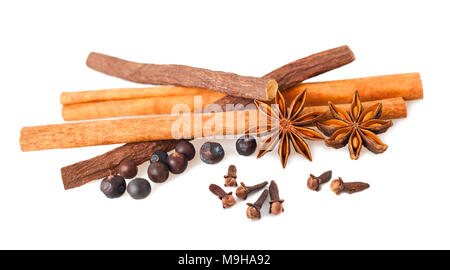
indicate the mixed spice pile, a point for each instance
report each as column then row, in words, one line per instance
column 340, row 113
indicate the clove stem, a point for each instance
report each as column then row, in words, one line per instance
column 262, row 198
column 217, row 190
column 325, row 177
column 242, row 191
column 273, row 190
column 256, row 187
column 353, row 187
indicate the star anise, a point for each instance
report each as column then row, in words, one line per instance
column 356, row 128
column 288, row 125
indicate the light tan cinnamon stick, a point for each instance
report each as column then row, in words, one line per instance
column 180, row 75
column 127, row 130
column 140, row 129
column 68, row 98
column 407, row 85
column 393, row 108
column 133, row 107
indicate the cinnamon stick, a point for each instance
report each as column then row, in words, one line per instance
column 133, row 107
column 84, row 171
column 161, row 127
column 128, row 130
column 68, row 98
column 295, row 72
column 180, row 75
column 407, row 85
column 291, row 74
column 101, row 166
column 393, row 108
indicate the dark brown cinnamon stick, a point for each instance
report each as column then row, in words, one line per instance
column 82, row 172
column 295, row 72
column 101, row 166
column 229, row 83
column 291, row 74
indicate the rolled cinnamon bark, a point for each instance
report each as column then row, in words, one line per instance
column 407, row 85
column 133, row 107
column 129, row 130
column 153, row 128
column 180, row 75
column 68, row 98
column 79, row 173
column 393, row 108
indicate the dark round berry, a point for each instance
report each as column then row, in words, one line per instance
column 177, row 163
column 186, row 148
column 159, row 156
column 113, row 186
column 139, row 188
column 246, row 145
column 158, row 172
column 128, row 169
column 211, row 152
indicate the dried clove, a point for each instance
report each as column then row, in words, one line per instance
column 253, row 210
column 230, row 178
column 276, row 205
column 226, row 198
column 338, row 186
column 315, row 182
column 243, row 191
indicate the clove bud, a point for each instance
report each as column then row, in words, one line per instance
column 226, row 198
column 276, row 205
column 253, row 210
column 243, row 191
column 338, row 186
column 315, row 182
column 230, row 178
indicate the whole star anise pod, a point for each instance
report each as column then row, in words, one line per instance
column 288, row 125
column 356, row 128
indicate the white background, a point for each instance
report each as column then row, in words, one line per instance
column 44, row 45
